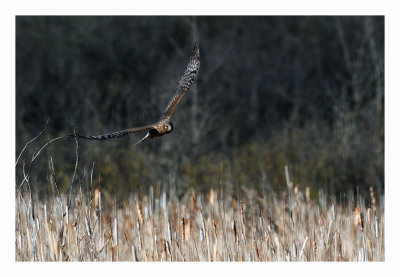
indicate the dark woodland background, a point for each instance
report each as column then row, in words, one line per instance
column 307, row 92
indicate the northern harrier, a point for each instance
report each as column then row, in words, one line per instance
column 164, row 124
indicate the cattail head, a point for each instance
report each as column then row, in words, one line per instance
column 373, row 199
column 97, row 200
column 357, row 216
column 188, row 226
column 308, row 194
column 183, row 228
column 194, row 203
column 212, row 197
column 314, row 247
column 235, row 232
column 140, row 216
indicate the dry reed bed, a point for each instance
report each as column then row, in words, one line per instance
column 194, row 227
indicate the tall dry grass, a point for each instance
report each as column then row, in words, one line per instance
column 161, row 226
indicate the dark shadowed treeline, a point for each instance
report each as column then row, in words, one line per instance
column 307, row 92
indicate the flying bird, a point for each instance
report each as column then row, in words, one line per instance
column 164, row 124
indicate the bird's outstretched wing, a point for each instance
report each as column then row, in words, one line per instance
column 115, row 134
column 184, row 84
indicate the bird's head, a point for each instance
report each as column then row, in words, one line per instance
column 168, row 127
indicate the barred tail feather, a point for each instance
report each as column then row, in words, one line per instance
column 115, row 134
column 102, row 137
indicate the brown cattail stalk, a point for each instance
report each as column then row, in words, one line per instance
column 215, row 251
column 235, row 232
column 340, row 256
column 168, row 247
column 256, row 250
column 241, row 211
column 215, row 228
column 373, row 201
column 188, row 227
column 314, row 247
column 140, row 216
column 372, row 195
column 164, row 247
column 169, row 233
column 358, row 220
column 194, row 203
column 308, row 198
column 183, row 229
column 302, row 248
column 97, row 200
column 115, row 241
column 210, row 258
column 212, row 198
column 275, row 232
column 134, row 254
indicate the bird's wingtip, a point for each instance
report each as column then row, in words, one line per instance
column 196, row 48
column 196, row 52
column 145, row 137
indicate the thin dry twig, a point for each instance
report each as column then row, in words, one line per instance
column 26, row 145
